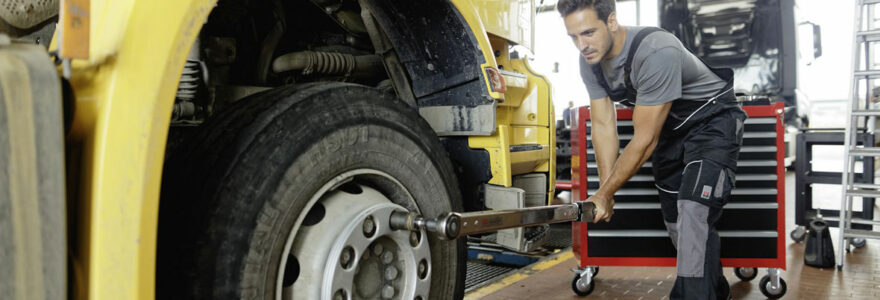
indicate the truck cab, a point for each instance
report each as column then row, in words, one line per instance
column 764, row 42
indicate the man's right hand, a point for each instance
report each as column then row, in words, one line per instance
column 604, row 208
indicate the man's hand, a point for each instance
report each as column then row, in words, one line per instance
column 604, row 208
column 647, row 123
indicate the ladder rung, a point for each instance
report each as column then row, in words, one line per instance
column 866, row 222
column 866, row 186
column 863, row 193
column 868, row 2
column 866, row 113
column 858, row 233
column 865, row 152
column 870, row 35
column 869, row 32
column 852, row 220
column 867, row 73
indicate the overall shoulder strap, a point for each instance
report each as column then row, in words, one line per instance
column 627, row 68
column 600, row 78
column 637, row 40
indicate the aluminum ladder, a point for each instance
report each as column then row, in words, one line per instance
column 864, row 34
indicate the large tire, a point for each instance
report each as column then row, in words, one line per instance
column 33, row 226
column 232, row 195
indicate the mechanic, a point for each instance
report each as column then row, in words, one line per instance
column 684, row 112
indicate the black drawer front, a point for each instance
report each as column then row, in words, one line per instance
column 651, row 218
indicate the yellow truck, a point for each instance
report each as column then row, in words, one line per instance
column 173, row 149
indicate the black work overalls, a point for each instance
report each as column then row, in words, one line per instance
column 693, row 165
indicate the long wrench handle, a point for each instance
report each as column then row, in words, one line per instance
column 456, row 225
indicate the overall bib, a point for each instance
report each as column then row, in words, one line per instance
column 693, row 164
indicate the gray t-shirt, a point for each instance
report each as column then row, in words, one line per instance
column 663, row 70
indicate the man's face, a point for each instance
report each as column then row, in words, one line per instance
column 590, row 35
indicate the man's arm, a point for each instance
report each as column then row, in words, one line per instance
column 647, row 123
column 603, row 118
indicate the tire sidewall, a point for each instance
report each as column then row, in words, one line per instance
column 329, row 132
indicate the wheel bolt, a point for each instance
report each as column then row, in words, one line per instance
column 346, row 258
column 390, row 273
column 369, row 227
column 378, row 249
column 340, row 295
column 423, row 269
column 388, row 257
column 387, row 292
column 414, row 238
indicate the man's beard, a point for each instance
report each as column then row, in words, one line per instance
column 610, row 44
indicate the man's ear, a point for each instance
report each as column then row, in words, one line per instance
column 612, row 22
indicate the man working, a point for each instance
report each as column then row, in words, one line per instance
column 685, row 113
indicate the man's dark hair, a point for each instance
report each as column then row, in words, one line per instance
column 603, row 8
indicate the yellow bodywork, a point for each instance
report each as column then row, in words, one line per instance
column 525, row 116
column 471, row 15
column 124, row 95
column 510, row 19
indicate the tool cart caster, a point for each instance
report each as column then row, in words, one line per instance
column 798, row 234
column 745, row 274
column 582, row 284
column 595, row 271
column 772, row 285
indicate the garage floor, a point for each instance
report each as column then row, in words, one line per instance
column 551, row 278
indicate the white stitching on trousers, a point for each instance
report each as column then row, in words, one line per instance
column 665, row 190
column 697, row 182
column 711, row 100
column 688, row 164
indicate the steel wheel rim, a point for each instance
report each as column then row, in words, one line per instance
column 408, row 258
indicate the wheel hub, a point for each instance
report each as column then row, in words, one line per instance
column 773, row 290
column 378, row 273
column 351, row 252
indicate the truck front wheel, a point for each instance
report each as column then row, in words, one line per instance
column 287, row 195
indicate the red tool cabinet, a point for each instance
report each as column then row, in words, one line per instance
column 752, row 226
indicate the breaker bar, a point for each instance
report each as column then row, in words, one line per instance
column 455, row 225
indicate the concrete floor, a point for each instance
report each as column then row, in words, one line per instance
column 551, row 279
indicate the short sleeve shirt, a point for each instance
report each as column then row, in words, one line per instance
column 663, row 70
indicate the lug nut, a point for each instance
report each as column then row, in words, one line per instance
column 390, row 273
column 387, row 292
column 378, row 249
column 345, row 259
column 369, row 227
column 414, row 238
column 423, row 269
column 388, row 257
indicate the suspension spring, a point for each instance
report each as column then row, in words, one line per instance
column 189, row 81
